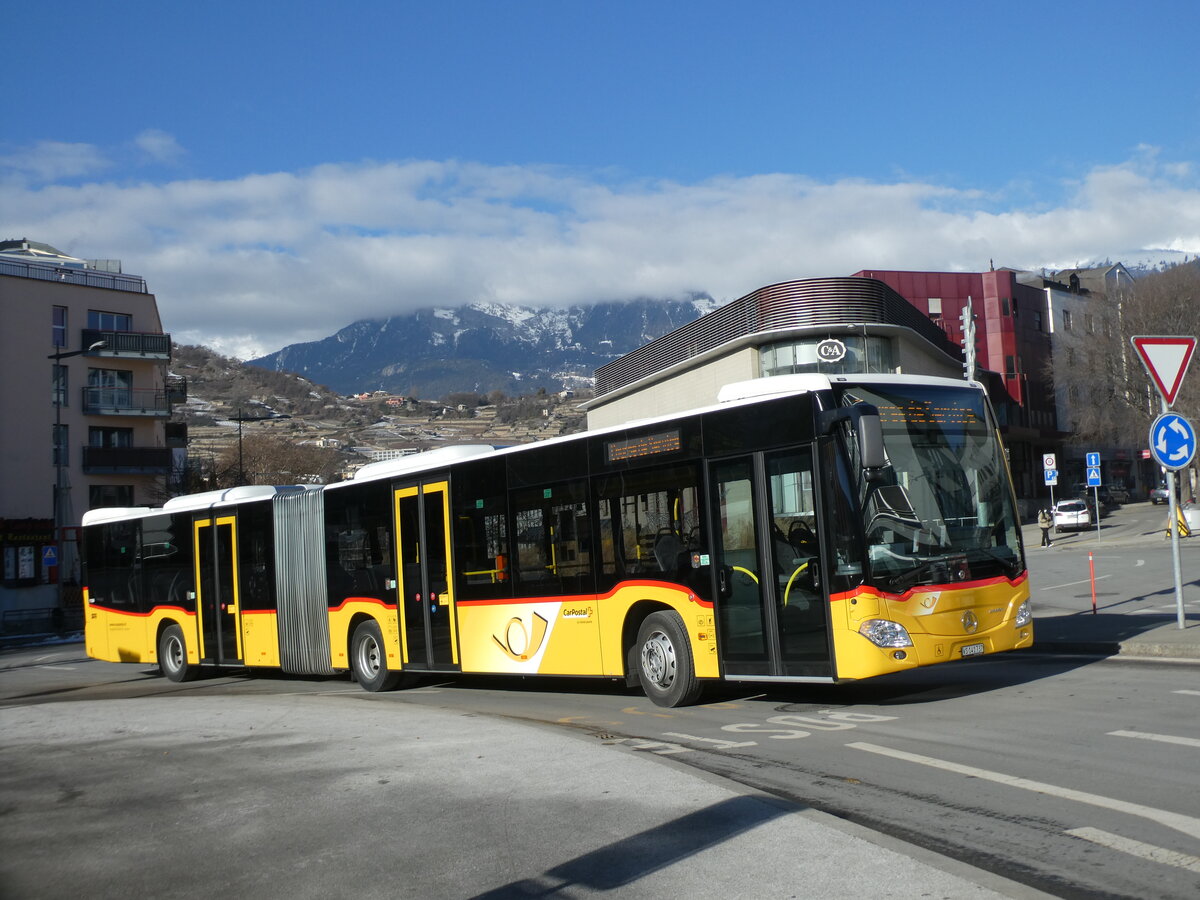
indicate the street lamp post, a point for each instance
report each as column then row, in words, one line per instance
column 60, row 391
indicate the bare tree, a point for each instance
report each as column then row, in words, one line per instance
column 1110, row 396
column 267, row 459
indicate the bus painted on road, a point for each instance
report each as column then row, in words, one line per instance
column 805, row 529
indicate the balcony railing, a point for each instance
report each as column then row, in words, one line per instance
column 128, row 343
column 127, row 460
column 103, row 401
column 74, row 275
column 176, row 389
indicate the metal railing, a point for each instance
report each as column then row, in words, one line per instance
column 128, row 343
column 107, row 401
column 126, row 460
column 73, row 275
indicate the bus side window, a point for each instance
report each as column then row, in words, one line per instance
column 481, row 553
column 650, row 526
column 553, row 540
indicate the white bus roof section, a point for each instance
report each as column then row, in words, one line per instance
column 228, row 496
column 776, row 385
column 418, row 462
column 115, row 514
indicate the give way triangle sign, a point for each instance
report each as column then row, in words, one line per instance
column 1166, row 359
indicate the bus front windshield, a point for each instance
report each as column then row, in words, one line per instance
column 942, row 509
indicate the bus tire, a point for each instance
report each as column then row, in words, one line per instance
column 664, row 660
column 172, row 656
column 368, row 659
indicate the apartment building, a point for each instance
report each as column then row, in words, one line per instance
column 84, row 402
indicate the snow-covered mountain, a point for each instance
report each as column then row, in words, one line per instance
column 483, row 347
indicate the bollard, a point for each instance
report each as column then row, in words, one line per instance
column 1092, row 569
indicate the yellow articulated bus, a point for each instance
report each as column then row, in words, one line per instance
column 807, row 529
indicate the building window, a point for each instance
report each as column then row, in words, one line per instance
column 1089, row 325
column 110, row 387
column 110, row 437
column 1004, row 306
column 60, row 444
column 58, row 392
column 935, row 306
column 1066, row 320
column 1037, row 320
column 1010, row 367
column 58, row 331
column 103, row 495
column 99, row 320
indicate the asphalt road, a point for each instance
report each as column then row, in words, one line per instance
column 1074, row 776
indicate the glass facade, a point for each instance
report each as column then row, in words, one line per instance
column 856, row 354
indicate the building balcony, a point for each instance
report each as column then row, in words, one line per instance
column 128, row 344
column 102, row 401
column 127, row 460
column 176, row 389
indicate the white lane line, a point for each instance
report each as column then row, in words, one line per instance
column 1186, row 824
column 1137, row 848
column 1161, row 738
column 1193, row 693
column 1055, row 587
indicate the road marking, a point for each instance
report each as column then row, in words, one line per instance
column 1137, row 848
column 1162, row 738
column 720, row 744
column 634, row 711
column 1055, row 587
column 1186, row 824
column 1194, row 693
column 1139, row 563
column 661, row 748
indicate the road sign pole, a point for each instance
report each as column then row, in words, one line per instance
column 1096, row 498
column 1173, row 525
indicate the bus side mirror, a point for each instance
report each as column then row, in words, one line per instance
column 864, row 419
column 870, row 441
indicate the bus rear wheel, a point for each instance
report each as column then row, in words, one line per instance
column 172, row 655
column 368, row 659
column 664, row 659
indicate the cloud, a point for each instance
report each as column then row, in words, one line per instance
column 158, row 147
column 252, row 264
column 49, row 161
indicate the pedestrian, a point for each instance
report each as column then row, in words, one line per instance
column 1045, row 521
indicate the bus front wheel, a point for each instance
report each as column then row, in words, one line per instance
column 369, row 659
column 664, row 659
column 172, row 655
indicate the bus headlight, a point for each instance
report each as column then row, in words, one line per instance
column 883, row 633
column 1024, row 615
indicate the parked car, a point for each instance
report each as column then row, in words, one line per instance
column 1119, row 494
column 1071, row 515
column 1088, row 496
column 1159, row 495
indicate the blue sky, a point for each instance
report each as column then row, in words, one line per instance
column 278, row 170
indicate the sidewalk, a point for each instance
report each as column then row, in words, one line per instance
column 1128, row 635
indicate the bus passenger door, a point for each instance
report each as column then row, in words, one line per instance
column 216, row 590
column 427, row 616
column 772, row 615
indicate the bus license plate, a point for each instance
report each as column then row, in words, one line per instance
column 972, row 650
